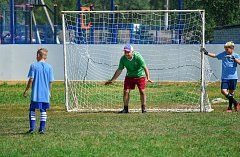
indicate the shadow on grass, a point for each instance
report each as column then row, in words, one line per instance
column 14, row 133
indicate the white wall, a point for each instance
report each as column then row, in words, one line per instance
column 16, row 59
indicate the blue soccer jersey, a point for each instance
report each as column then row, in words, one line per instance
column 229, row 66
column 42, row 75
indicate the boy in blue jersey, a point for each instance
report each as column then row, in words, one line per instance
column 40, row 78
column 229, row 73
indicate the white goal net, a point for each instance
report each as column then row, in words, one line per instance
column 169, row 42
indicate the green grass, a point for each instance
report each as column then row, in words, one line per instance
column 159, row 95
column 109, row 134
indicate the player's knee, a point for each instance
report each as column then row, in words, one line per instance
column 126, row 91
column 224, row 91
column 32, row 115
column 43, row 110
column 43, row 116
column 142, row 92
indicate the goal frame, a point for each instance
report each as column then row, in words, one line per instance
column 203, row 82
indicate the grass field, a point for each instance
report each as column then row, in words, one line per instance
column 110, row 134
column 160, row 95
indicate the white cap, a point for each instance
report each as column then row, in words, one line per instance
column 128, row 48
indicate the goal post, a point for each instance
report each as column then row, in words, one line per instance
column 203, row 82
column 93, row 44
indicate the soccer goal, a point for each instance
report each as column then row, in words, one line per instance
column 169, row 41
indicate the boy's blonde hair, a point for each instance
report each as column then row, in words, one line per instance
column 42, row 52
column 229, row 44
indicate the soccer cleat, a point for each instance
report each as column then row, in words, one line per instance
column 143, row 109
column 41, row 132
column 30, row 131
column 123, row 111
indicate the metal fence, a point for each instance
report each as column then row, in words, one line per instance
column 23, row 24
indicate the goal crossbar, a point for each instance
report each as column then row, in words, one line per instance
column 134, row 11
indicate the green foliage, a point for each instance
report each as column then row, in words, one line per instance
column 155, row 4
column 218, row 13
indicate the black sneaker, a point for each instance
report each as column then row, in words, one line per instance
column 30, row 132
column 41, row 132
column 144, row 111
column 123, row 111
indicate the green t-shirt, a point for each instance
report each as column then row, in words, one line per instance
column 134, row 67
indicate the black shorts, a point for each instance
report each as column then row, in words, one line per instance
column 229, row 84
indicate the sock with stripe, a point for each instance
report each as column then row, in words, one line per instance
column 43, row 120
column 32, row 119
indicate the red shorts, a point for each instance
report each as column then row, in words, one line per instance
column 130, row 82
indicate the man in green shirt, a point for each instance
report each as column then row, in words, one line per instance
column 137, row 74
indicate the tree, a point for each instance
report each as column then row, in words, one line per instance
column 156, row 4
column 218, row 13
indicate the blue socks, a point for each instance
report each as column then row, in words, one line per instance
column 43, row 120
column 32, row 120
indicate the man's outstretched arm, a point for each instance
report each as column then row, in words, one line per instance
column 115, row 76
column 147, row 74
